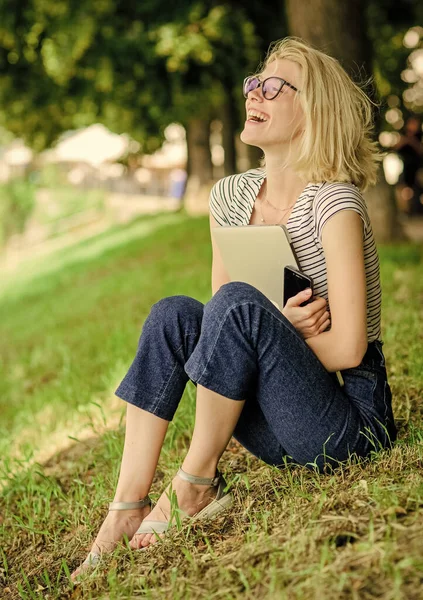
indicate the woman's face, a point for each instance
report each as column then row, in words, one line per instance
column 283, row 116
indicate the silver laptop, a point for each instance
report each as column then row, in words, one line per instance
column 256, row 254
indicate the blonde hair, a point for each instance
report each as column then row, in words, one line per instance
column 337, row 142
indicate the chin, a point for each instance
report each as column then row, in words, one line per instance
column 249, row 139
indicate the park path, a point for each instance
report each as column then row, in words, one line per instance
column 120, row 209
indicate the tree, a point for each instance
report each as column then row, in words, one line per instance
column 337, row 28
column 206, row 53
column 134, row 66
column 340, row 29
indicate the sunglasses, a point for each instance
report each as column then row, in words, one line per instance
column 270, row 87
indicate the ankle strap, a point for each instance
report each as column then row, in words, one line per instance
column 129, row 505
column 199, row 480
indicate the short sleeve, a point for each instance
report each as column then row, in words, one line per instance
column 334, row 197
column 222, row 196
column 216, row 205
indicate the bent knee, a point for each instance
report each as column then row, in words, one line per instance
column 172, row 307
column 237, row 291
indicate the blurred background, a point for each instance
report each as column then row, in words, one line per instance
column 116, row 118
column 111, row 109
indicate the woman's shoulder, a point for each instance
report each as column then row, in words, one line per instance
column 335, row 196
column 339, row 187
column 229, row 194
column 338, row 193
column 229, row 185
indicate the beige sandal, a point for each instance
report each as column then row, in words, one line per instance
column 94, row 558
column 221, row 502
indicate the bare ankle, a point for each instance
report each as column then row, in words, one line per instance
column 126, row 496
column 199, row 470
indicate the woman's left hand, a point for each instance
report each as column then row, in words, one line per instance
column 309, row 320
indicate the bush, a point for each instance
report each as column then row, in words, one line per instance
column 17, row 201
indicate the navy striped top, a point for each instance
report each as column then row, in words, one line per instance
column 231, row 203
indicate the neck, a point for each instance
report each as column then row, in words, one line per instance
column 283, row 185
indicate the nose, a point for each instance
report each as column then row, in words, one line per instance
column 256, row 94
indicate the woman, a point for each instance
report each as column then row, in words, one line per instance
column 265, row 377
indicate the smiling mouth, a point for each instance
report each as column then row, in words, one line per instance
column 256, row 117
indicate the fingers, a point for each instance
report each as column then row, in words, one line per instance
column 318, row 304
column 314, row 326
column 311, row 319
column 313, row 311
column 323, row 323
column 299, row 298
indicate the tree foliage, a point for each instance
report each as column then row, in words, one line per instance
column 388, row 22
column 135, row 66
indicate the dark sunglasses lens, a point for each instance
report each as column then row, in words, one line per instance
column 250, row 84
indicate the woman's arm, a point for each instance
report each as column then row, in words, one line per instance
column 345, row 344
column 219, row 276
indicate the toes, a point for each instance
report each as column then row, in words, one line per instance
column 156, row 539
column 147, row 540
column 140, row 541
column 136, row 541
column 81, row 570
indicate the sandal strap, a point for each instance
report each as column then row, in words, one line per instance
column 199, row 480
column 130, row 505
column 92, row 559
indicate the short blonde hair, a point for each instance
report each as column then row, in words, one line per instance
column 337, row 143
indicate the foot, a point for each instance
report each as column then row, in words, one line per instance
column 116, row 525
column 191, row 499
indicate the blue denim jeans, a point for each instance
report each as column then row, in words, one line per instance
column 241, row 346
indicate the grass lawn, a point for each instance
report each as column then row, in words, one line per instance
column 69, row 329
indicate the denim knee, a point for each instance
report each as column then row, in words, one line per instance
column 233, row 293
column 172, row 308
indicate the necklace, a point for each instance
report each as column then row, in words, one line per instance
column 275, row 207
column 284, row 210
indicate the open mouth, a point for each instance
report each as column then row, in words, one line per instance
column 256, row 117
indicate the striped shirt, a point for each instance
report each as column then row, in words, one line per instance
column 231, row 203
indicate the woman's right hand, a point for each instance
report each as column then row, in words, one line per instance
column 309, row 320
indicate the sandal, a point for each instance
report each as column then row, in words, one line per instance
column 221, row 502
column 94, row 558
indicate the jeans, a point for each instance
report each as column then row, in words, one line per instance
column 241, row 346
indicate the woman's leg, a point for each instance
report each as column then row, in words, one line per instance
column 215, row 420
column 153, row 387
column 250, row 358
column 249, row 350
column 144, row 437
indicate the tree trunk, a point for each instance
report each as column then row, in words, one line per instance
column 383, row 213
column 199, row 155
column 199, row 166
column 339, row 29
column 227, row 116
column 336, row 27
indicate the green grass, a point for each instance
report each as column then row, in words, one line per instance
column 69, row 331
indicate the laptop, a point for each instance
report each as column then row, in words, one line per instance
column 256, row 254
